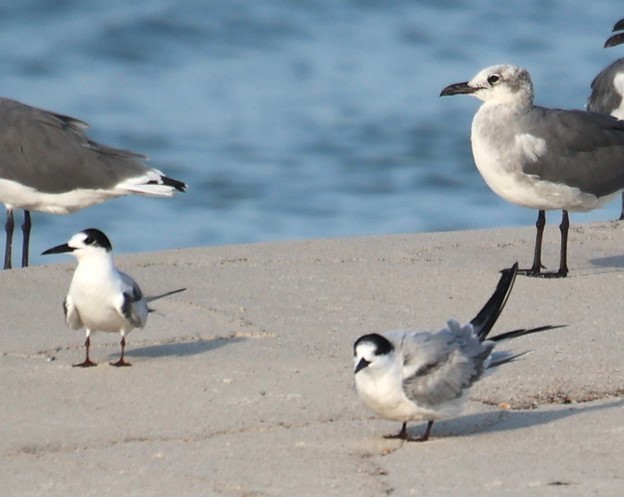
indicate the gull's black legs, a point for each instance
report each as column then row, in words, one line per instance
column 536, row 268
column 8, row 228
column 26, row 238
column 402, row 435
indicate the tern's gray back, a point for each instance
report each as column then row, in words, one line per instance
column 583, row 149
column 51, row 152
column 441, row 367
column 604, row 97
column 134, row 308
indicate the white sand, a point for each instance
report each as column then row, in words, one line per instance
column 242, row 386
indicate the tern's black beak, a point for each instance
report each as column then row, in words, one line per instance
column 361, row 365
column 458, row 89
column 59, row 249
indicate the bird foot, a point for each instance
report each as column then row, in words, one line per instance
column 120, row 363
column 422, row 438
column 86, row 364
column 536, row 273
column 406, row 437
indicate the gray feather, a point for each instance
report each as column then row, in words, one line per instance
column 584, row 150
column 447, row 363
column 604, row 98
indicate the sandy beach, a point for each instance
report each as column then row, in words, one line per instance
column 242, row 385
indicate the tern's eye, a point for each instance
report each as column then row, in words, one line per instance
column 493, row 79
column 89, row 240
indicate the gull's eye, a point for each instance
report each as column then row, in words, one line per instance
column 493, row 79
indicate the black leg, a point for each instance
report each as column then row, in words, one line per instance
column 425, row 436
column 25, row 238
column 8, row 227
column 402, row 435
column 622, row 212
column 563, row 256
column 536, row 268
column 121, row 361
column 87, row 362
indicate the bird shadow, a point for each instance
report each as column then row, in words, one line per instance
column 613, row 261
column 183, row 349
column 504, row 420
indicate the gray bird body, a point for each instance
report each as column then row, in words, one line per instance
column 425, row 376
column 49, row 164
column 556, row 159
column 37, row 147
column 607, row 94
column 542, row 158
column 428, row 377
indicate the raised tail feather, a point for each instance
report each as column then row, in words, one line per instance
column 162, row 295
column 483, row 322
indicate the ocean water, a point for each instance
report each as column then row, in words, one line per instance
column 293, row 119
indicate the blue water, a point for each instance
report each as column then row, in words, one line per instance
column 293, row 119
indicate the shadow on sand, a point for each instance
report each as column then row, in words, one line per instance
column 182, row 349
column 487, row 422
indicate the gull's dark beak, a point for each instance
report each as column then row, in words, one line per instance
column 361, row 365
column 615, row 40
column 59, row 249
column 458, row 89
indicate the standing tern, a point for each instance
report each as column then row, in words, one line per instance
column 101, row 297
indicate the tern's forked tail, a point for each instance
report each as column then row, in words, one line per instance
column 162, row 295
column 484, row 321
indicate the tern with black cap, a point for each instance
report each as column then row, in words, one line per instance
column 100, row 296
column 425, row 376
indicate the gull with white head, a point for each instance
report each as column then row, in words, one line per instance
column 542, row 158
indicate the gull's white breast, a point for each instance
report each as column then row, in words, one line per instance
column 500, row 154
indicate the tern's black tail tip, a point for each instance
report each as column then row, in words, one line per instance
column 484, row 321
column 522, row 332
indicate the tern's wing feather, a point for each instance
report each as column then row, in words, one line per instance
column 132, row 305
column 72, row 317
column 439, row 367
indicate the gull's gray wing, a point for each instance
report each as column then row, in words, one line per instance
column 438, row 367
column 582, row 149
column 605, row 97
column 51, row 152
